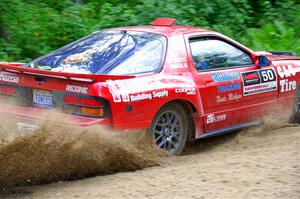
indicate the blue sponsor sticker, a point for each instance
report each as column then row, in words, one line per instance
column 225, row 76
column 229, row 87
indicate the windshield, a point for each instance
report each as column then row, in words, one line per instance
column 107, row 52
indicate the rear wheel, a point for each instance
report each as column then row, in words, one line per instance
column 169, row 128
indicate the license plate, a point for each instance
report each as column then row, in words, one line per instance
column 42, row 98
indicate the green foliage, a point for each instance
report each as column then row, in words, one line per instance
column 273, row 36
column 31, row 28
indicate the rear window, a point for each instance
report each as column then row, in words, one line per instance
column 107, row 52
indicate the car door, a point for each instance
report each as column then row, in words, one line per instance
column 233, row 90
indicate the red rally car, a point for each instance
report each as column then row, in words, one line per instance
column 181, row 83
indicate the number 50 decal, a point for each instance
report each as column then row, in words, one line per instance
column 259, row 81
column 268, row 75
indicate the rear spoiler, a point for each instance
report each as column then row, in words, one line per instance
column 282, row 53
column 16, row 68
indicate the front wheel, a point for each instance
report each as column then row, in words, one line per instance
column 169, row 128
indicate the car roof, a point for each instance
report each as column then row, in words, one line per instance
column 166, row 27
column 164, row 30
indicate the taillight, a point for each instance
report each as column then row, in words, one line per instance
column 92, row 111
column 91, row 102
column 86, row 106
column 72, row 100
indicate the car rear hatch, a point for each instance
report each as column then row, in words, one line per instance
column 33, row 90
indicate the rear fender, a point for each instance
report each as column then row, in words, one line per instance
column 135, row 102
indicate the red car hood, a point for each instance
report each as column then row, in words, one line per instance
column 276, row 57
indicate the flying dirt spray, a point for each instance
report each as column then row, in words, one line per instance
column 59, row 151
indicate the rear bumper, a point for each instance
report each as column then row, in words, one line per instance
column 32, row 115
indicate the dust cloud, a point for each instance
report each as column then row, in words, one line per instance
column 58, row 151
column 269, row 124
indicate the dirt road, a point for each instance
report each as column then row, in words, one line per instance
column 262, row 162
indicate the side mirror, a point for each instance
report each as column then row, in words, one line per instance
column 264, row 61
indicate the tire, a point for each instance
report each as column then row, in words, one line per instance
column 169, row 128
column 297, row 105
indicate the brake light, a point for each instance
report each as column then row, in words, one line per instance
column 8, row 90
column 91, row 102
column 81, row 101
column 72, row 100
column 84, row 106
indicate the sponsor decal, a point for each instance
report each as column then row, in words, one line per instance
column 286, row 71
column 188, row 91
column 220, row 99
column 9, row 78
column 228, row 97
column 251, row 78
column 229, row 87
column 259, row 81
column 149, row 96
column 287, row 85
column 261, row 88
column 178, row 65
column 234, row 96
column 212, row 118
column 139, row 97
column 121, row 91
column 128, row 70
column 177, row 62
column 160, row 94
column 225, row 76
column 118, row 92
column 177, row 59
column 76, row 89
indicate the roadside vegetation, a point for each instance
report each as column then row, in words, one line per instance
column 31, row 28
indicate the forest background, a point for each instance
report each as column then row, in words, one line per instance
column 31, row 28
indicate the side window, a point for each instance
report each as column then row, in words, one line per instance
column 211, row 53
